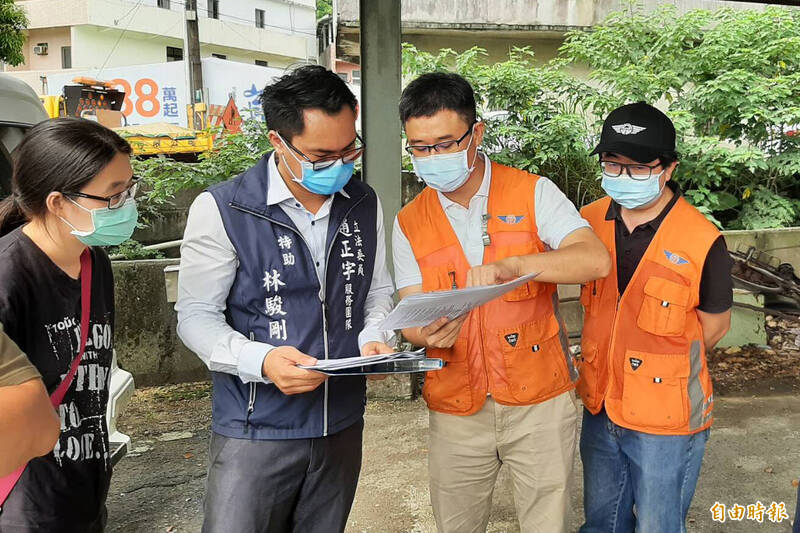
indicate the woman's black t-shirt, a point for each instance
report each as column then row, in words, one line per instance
column 40, row 308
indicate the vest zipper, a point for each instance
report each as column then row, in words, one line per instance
column 325, row 384
column 252, row 402
column 325, row 314
column 323, row 289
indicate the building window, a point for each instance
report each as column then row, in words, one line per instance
column 66, row 57
column 213, row 9
column 163, row 4
column 174, row 54
column 342, row 75
column 261, row 63
column 259, row 18
column 219, row 56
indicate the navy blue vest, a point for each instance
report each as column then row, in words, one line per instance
column 276, row 298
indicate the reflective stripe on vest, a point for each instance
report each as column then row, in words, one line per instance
column 514, row 347
column 643, row 353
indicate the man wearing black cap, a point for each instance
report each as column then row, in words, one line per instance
column 644, row 379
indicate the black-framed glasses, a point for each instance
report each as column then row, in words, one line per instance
column 425, row 149
column 114, row 201
column 636, row 171
column 348, row 156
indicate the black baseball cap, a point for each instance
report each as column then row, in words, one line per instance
column 639, row 131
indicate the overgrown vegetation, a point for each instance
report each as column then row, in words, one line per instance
column 730, row 80
column 324, row 8
column 133, row 250
column 13, row 23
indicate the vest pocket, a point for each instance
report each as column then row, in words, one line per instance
column 589, row 373
column 654, row 389
column 534, row 359
column 438, row 278
column 523, row 292
column 449, row 389
column 663, row 310
column 590, row 296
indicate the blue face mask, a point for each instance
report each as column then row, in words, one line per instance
column 110, row 227
column 326, row 181
column 631, row 193
column 444, row 172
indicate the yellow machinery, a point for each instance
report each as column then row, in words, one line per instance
column 160, row 138
column 98, row 100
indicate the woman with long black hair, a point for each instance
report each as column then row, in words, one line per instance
column 73, row 190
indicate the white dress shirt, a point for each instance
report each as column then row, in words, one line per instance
column 556, row 217
column 208, row 269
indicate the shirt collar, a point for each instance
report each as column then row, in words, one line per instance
column 483, row 191
column 277, row 190
column 615, row 211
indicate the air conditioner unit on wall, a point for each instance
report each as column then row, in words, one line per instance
column 40, row 49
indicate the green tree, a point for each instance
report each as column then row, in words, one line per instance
column 729, row 79
column 324, row 8
column 13, row 23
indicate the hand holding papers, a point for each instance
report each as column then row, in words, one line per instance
column 389, row 363
column 421, row 309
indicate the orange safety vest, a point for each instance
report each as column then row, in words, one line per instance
column 515, row 347
column 643, row 353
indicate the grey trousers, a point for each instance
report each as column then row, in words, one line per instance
column 282, row 486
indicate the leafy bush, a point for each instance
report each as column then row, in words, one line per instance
column 730, row 81
column 131, row 250
column 233, row 154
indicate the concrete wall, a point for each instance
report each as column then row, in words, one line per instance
column 146, row 342
column 92, row 45
column 562, row 13
column 171, row 222
column 289, row 35
column 783, row 243
column 55, row 38
column 497, row 46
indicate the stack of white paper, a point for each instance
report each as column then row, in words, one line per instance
column 423, row 308
column 398, row 362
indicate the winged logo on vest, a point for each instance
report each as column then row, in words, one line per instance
column 675, row 259
column 628, row 128
column 511, row 219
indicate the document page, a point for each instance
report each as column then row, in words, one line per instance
column 421, row 309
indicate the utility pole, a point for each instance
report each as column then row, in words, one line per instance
column 194, row 68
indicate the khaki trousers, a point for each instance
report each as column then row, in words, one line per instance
column 537, row 442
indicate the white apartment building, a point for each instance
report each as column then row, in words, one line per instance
column 91, row 35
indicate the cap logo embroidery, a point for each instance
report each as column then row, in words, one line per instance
column 628, row 129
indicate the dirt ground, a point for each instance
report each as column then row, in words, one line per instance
column 760, row 369
column 752, row 455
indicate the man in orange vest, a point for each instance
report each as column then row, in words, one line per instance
column 644, row 379
column 506, row 394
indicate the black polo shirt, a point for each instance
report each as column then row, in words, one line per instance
column 716, row 284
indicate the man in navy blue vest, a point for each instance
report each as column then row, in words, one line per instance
column 281, row 266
